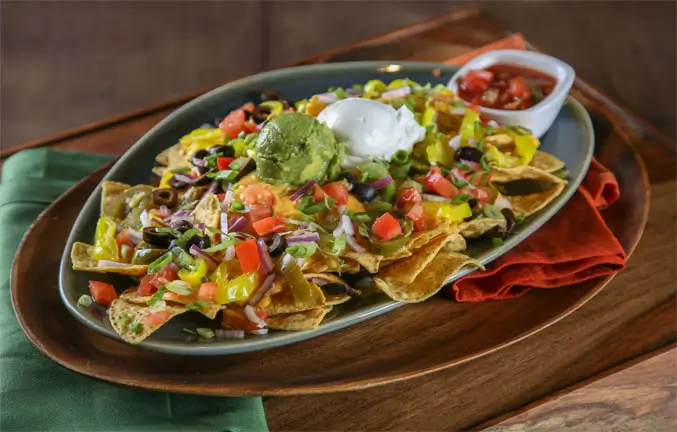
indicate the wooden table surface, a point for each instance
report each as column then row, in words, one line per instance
column 610, row 365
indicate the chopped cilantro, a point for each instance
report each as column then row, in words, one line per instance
column 181, row 170
column 198, row 305
column 137, row 328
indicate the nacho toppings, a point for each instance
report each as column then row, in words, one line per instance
column 260, row 219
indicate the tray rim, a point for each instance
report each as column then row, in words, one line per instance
column 576, row 109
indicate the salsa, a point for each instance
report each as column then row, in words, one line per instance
column 506, row 87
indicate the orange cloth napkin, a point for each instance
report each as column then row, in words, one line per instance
column 574, row 246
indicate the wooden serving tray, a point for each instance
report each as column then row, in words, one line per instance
column 633, row 317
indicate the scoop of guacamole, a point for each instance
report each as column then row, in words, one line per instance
column 294, row 148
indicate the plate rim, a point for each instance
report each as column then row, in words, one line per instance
column 226, row 348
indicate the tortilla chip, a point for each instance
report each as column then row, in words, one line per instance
column 477, row 227
column 372, row 262
column 321, row 262
column 503, row 175
column 210, row 311
column 527, row 205
column 208, row 211
column 83, row 260
column 331, row 299
column 159, row 171
column 456, row 243
column 546, row 162
column 421, row 238
column 283, row 302
column 307, row 320
column 111, row 193
column 404, row 271
column 173, row 157
column 128, row 319
column 428, row 282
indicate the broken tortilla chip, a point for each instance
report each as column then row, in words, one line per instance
column 404, row 271
column 208, row 211
column 283, row 302
column 428, row 282
column 131, row 321
column 479, row 226
column 307, row 320
column 111, row 194
column 209, row 310
column 546, row 162
column 331, row 299
column 83, row 260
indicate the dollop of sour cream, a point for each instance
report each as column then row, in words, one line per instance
column 371, row 130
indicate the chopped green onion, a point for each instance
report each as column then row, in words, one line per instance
column 85, row 301
column 400, row 172
column 179, row 287
column 356, row 87
column 181, row 170
column 237, row 206
column 460, row 165
column 460, row 199
column 372, row 171
column 519, row 219
column 363, row 230
column 496, row 241
column 484, row 164
column 359, row 217
column 183, row 258
column 227, row 242
column 340, row 93
column 137, row 328
column 457, row 104
column 302, row 250
column 206, row 333
column 189, row 234
column 251, row 138
column 172, row 231
column 126, row 319
column 229, row 175
column 388, row 193
column 562, row 173
column 489, row 130
column 308, row 206
column 480, row 144
column 479, row 128
column 160, row 263
column 211, row 159
column 460, row 184
column 411, row 183
column 379, row 206
column 239, row 163
column 241, row 134
column 156, row 297
column 339, row 244
column 400, row 157
column 198, row 305
column 491, row 211
column 189, row 331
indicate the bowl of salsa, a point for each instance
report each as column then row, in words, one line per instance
column 520, row 88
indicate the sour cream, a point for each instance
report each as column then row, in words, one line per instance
column 371, row 130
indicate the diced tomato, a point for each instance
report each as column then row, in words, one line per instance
column 337, row 190
column 269, row 225
column 258, row 212
column 125, row 238
column 224, row 163
column 258, row 194
column 408, row 197
column 477, row 81
column 386, row 227
column 102, row 292
column 156, row 319
column 318, row 193
column 207, row 290
column 233, row 124
column 436, row 182
column 221, row 196
column 481, row 195
column 167, row 274
column 474, row 107
column 519, row 88
column 478, row 178
column 416, row 212
column 248, row 254
column 420, row 225
column 250, row 127
column 146, row 286
column 249, row 107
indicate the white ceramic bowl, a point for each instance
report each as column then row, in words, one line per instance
column 539, row 117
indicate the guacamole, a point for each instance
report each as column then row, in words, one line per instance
column 294, row 148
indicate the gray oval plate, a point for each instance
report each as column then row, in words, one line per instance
column 570, row 139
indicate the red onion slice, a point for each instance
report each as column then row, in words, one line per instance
column 353, row 244
column 213, row 187
column 381, row 183
column 163, row 211
column 259, row 332
column 502, row 203
column 108, row 263
column 302, row 190
column 262, row 290
column 223, row 222
column 136, row 236
column 318, row 281
column 347, row 225
column 199, row 162
column 474, row 166
column 327, row 97
column 250, row 314
column 353, row 92
column 429, row 197
column 457, row 111
column 238, row 225
column 229, row 334
column 303, row 238
column 397, row 92
column 197, row 252
column 493, row 123
column 338, row 231
column 145, row 219
column 264, row 256
column 185, row 178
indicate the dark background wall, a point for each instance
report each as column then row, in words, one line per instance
column 68, row 63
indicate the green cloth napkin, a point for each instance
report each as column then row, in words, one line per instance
column 37, row 394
